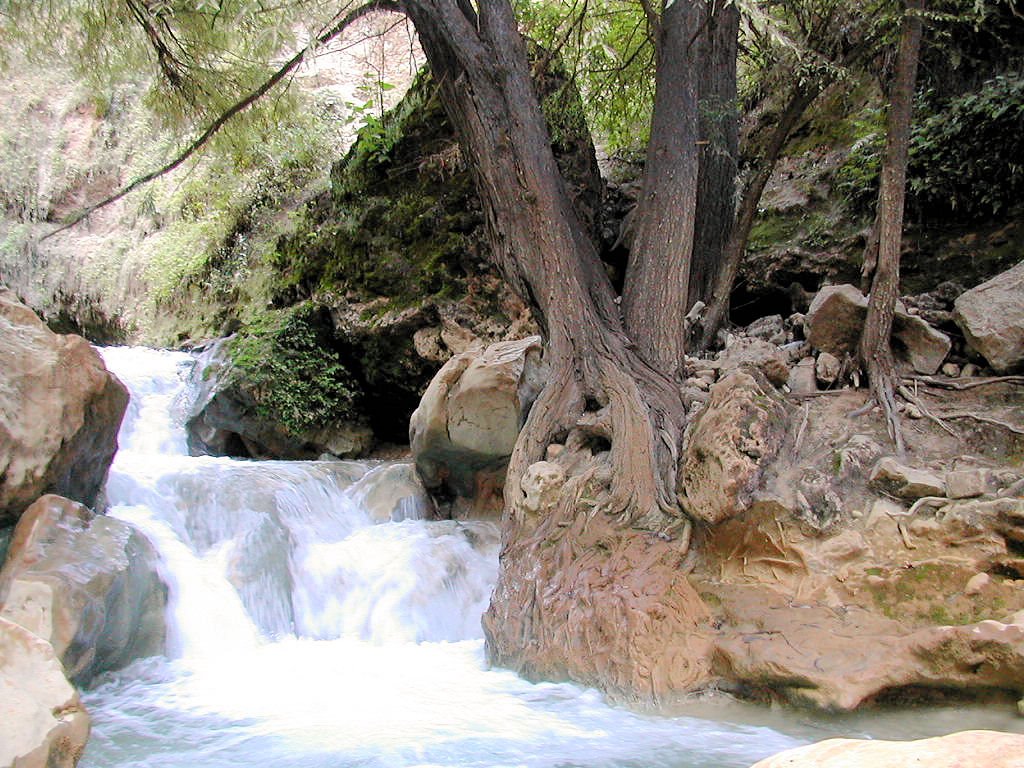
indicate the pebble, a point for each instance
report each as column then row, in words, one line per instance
column 951, row 369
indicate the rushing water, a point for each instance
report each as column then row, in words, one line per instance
column 303, row 633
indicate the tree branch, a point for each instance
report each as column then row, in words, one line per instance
column 238, row 107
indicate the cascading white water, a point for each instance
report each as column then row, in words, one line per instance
column 303, row 633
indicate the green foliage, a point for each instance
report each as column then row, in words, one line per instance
column 292, row 370
column 966, row 160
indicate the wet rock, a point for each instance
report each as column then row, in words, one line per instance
column 991, row 749
column 87, row 584
column 836, row 318
column 60, row 410
column 466, row 425
column 392, row 493
column 43, row 724
column 992, row 319
column 756, row 353
column 905, row 482
column 737, row 433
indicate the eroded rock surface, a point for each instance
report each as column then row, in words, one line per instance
column 467, row 423
column 60, row 410
column 992, row 319
column 991, row 749
column 42, row 721
column 87, row 584
column 729, row 443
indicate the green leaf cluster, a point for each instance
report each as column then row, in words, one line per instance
column 292, row 370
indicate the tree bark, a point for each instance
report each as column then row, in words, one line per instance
column 719, row 149
column 876, row 338
column 656, row 293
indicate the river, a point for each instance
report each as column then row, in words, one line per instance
column 303, row 632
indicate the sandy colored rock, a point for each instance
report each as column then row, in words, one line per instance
column 976, row 583
column 740, row 429
column 983, row 749
column 754, row 353
column 905, row 482
column 468, row 420
column 966, row 483
column 87, row 584
column 42, row 721
column 836, row 318
column 60, row 410
column 827, row 368
column 803, row 378
column 992, row 319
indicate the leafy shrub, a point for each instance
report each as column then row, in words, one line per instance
column 292, row 371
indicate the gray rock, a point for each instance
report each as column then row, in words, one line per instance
column 756, row 353
column 890, row 476
column 992, row 319
column 87, row 584
column 836, row 318
column 766, row 328
column 802, row 378
column 966, row 483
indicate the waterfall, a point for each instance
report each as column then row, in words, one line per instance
column 307, row 628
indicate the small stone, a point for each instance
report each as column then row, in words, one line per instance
column 905, row 482
column 950, row 369
column 966, row 483
column 977, row 583
column 913, row 412
column 698, row 382
column 708, row 374
column 802, row 378
column 970, row 370
column 828, row 368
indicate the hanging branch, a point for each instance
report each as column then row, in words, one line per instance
column 224, row 117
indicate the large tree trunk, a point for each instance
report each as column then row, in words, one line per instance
column 656, row 293
column 719, row 148
column 611, row 422
column 876, row 339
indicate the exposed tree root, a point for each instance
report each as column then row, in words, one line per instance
column 960, row 385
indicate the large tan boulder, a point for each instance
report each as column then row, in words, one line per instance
column 42, row 722
column 60, row 410
column 992, row 319
column 836, row 318
column 467, row 423
column 728, row 445
column 983, row 749
column 87, row 584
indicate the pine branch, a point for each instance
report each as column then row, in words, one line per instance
column 238, row 107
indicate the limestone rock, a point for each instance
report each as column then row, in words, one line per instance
column 992, row 319
column 87, row 584
column 836, row 318
column 467, row 423
column 905, row 482
column 756, row 353
column 739, row 430
column 991, row 749
column 42, row 722
column 60, row 410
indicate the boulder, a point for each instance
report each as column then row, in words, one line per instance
column 392, row 493
column 87, row 584
column 728, row 444
column 992, row 319
column 836, row 317
column 755, row 353
column 890, row 476
column 466, row 425
column 223, row 419
column 60, row 410
column 992, row 749
column 42, row 721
